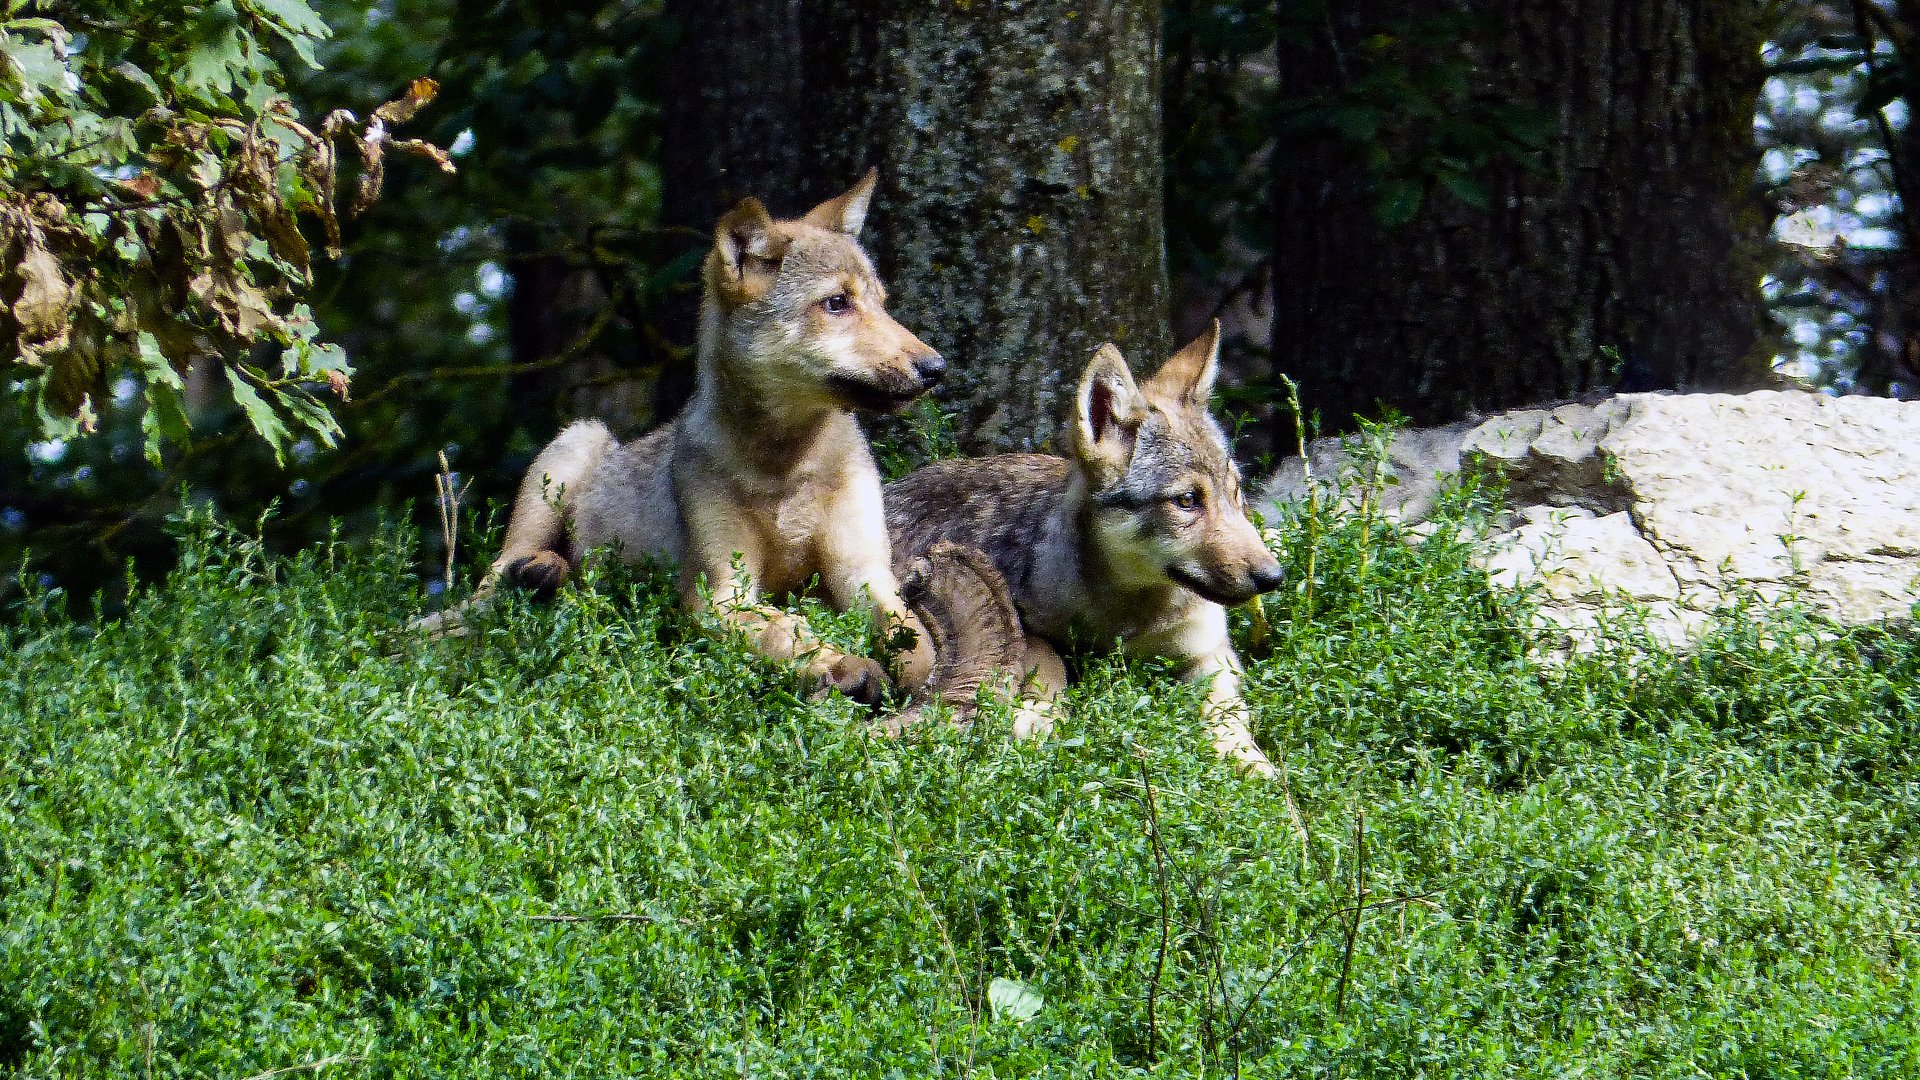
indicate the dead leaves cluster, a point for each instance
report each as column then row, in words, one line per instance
column 197, row 253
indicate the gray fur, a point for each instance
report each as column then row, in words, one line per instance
column 1094, row 550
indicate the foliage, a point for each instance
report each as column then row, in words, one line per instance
column 253, row 826
column 437, row 300
column 1842, row 169
column 1404, row 100
column 150, row 195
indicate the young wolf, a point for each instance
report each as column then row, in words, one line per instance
column 1142, row 536
column 765, row 479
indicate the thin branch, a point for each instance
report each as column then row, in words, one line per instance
column 613, row 917
column 1166, row 910
column 1059, row 914
column 1359, row 903
column 310, row 1066
column 1902, row 182
column 1312, row 933
column 567, row 353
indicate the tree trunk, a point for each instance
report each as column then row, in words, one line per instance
column 1624, row 254
column 1018, row 221
column 735, row 112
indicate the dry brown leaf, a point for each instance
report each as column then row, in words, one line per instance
column 146, row 185
column 44, row 309
column 402, row 109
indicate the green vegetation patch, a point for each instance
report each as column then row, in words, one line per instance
column 255, row 825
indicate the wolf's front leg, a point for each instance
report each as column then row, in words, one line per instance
column 1225, row 711
column 783, row 636
column 856, row 565
column 877, row 589
column 1199, row 643
column 1039, row 700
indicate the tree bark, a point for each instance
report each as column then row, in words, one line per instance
column 1018, row 221
column 1634, row 231
column 735, row 111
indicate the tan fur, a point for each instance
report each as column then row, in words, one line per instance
column 1096, row 547
column 765, row 480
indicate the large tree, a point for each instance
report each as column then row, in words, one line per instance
column 1019, row 220
column 1483, row 203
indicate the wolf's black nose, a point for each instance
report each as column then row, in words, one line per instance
column 1268, row 578
column 931, row 369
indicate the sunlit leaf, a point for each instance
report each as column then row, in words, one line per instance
column 259, row 414
column 1014, row 1000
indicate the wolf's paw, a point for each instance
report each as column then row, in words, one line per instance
column 542, row 571
column 858, row 677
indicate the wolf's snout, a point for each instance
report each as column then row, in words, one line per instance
column 931, row 368
column 1268, row 578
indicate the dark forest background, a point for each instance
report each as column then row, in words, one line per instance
column 1426, row 209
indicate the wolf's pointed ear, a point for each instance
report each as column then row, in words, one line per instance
column 1188, row 375
column 746, row 252
column 847, row 211
column 1107, row 415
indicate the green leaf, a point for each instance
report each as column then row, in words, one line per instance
column 38, row 68
column 313, row 416
column 214, row 64
column 1398, row 202
column 1464, row 187
column 1014, row 1000
column 1358, row 123
column 135, row 77
column 293, row 17
column 260, row 414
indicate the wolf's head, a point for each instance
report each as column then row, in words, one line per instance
column 794, row 309
column 1163, row 493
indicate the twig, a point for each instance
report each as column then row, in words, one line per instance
column 567, row 353
column 1313, row 932
column 913, row 878
column 1250, row 283
column 610, row 917
column 1902, row 182
column 449, row 505
column 1359, row 904
column 1059, row 914
column 310, row 1066
column 1166, row 911
column 1306, row 481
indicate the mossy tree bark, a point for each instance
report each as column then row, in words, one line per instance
column 1634, row 227
column 1018, row 223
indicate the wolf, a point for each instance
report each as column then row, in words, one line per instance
column 765, row 479
column 1141, row 536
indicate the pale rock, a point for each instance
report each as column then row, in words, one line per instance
column 1669, row 504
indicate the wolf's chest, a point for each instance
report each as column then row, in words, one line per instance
column 789, row 520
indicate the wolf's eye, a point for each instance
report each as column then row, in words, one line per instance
column 1187, row 500
column 837, row 304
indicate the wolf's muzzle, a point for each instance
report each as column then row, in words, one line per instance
column 1268, row 578
column 882, row 396
column 931, row 368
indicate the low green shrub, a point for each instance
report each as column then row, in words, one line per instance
column 254, row 825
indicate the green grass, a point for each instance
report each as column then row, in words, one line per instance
column 252, row 825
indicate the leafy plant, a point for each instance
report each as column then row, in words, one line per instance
column 151, row 198
column 254, row 826
column 1404, row 102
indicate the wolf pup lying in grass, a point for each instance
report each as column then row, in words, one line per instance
column 765, row 479
column 1141, row 537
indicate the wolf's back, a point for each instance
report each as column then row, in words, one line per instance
column 1000, row 505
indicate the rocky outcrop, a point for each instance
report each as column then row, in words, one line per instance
column 1669, row 504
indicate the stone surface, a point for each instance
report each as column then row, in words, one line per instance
column 1673, row 503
